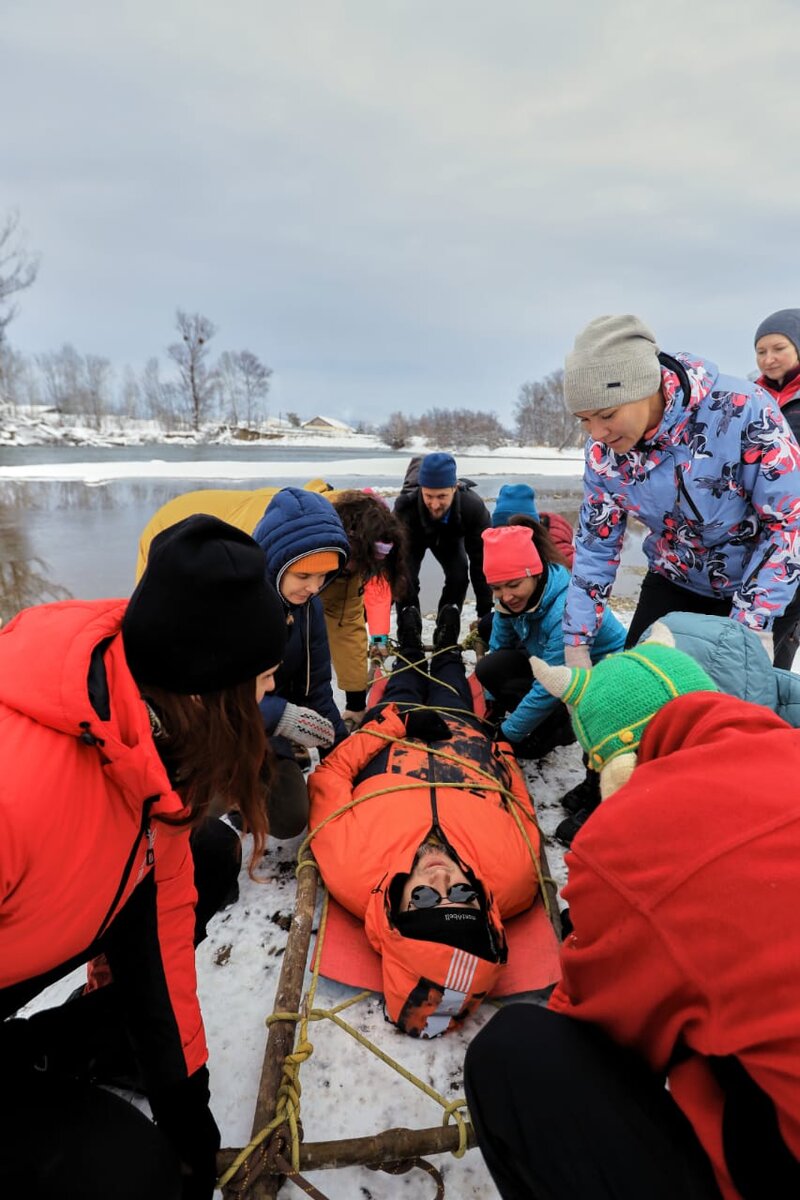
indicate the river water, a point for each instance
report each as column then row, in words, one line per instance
column 63, row 537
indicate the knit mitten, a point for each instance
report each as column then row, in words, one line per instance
column 305, row 726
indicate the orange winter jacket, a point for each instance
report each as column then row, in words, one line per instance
column 429, row 987
column 686, row 944
column 81, row 791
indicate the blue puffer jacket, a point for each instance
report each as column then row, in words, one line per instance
column 719, row 489
column 295, row 524
column 737, row 662
column 539, row 631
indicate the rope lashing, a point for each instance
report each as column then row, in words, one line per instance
column 286, row 1121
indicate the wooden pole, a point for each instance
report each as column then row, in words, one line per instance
column 393, row 1145
column 280, row 1040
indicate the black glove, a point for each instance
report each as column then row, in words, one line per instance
column 427, row 727
column 182, row 1114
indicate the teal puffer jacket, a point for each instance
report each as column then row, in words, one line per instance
column 737, row 662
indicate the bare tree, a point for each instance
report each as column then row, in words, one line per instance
column 130, row 395
column 198, row 383
column 458, row 428
column 76, row 384
column 542, row 418
column 244, row 383
column 294, row 419
column 18, row 269
column 18, row 388
column 396, row 432
column 161, row 400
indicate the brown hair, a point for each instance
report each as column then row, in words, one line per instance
column 367, row 520
column 215, row 751
column 548, row 550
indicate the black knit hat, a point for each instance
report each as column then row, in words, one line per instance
column 464, row 928
column 203, row 616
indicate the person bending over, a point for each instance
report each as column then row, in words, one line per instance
column 444, row 515
column 705, row 461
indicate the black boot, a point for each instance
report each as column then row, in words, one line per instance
column 585, row 794
column 580, row 802
column 409, row 630
column 448, row 628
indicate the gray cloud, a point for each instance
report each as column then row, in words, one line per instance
column 405, row 203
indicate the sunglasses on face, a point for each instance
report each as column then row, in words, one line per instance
column 428, row 897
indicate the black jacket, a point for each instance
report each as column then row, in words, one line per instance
column 467, row 519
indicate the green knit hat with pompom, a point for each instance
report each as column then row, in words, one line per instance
column 613, row 702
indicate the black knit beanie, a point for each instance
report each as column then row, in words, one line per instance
column 204, row 616
column 464, row 928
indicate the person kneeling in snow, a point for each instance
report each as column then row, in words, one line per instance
column 430, row 855
column 684, row 963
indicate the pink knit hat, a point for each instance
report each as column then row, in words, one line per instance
column 509, row 553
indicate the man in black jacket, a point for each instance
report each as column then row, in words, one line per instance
column 442, row 514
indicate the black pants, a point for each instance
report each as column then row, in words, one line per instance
column 452, row 558
column 506, row 674
column 562, row 1113
column 64, row 1135
column 61, row 1138
column 659, row 596
column 442, row 684
column 786, row 634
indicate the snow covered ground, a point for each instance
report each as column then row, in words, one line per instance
column 531, row 460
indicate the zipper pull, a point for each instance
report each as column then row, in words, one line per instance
column 150, row 856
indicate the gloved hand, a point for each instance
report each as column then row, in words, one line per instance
column 427, row 727
column 578, row 656
column 379, row 646
column 305, row 726
column 182, row 1114
column 765, row 637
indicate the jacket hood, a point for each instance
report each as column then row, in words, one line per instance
column 429, row 987
column 298, row 523
column 45, row 659
column 703, row 723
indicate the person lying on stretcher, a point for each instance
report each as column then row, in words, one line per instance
column 430, row 837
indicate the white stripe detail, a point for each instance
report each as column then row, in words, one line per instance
column 461, row 971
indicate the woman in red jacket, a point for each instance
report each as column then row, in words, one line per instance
column 778, row 356
column 123, row 726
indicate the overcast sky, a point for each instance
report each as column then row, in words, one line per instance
column 401, row 203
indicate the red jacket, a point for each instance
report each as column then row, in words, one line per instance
column 79, row 801
column 684, row 890
column 362, row 851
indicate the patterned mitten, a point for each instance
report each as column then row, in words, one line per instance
column 305, row 726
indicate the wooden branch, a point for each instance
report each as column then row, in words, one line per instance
column 280, row 1040
column 393, row 1145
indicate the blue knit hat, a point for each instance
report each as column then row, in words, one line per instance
column 438, row 470
column 514, row 498
column 786, row 322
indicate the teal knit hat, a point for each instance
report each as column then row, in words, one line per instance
column 613, row 703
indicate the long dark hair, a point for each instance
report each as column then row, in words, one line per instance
column 367, row 520
column 548, row 550
column 215, row 751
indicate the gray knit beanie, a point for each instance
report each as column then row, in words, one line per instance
column 614, row 362
column 785, row 322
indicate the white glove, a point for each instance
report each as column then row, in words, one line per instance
column 765, row 637
column 305, row 726
column 578, row 656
